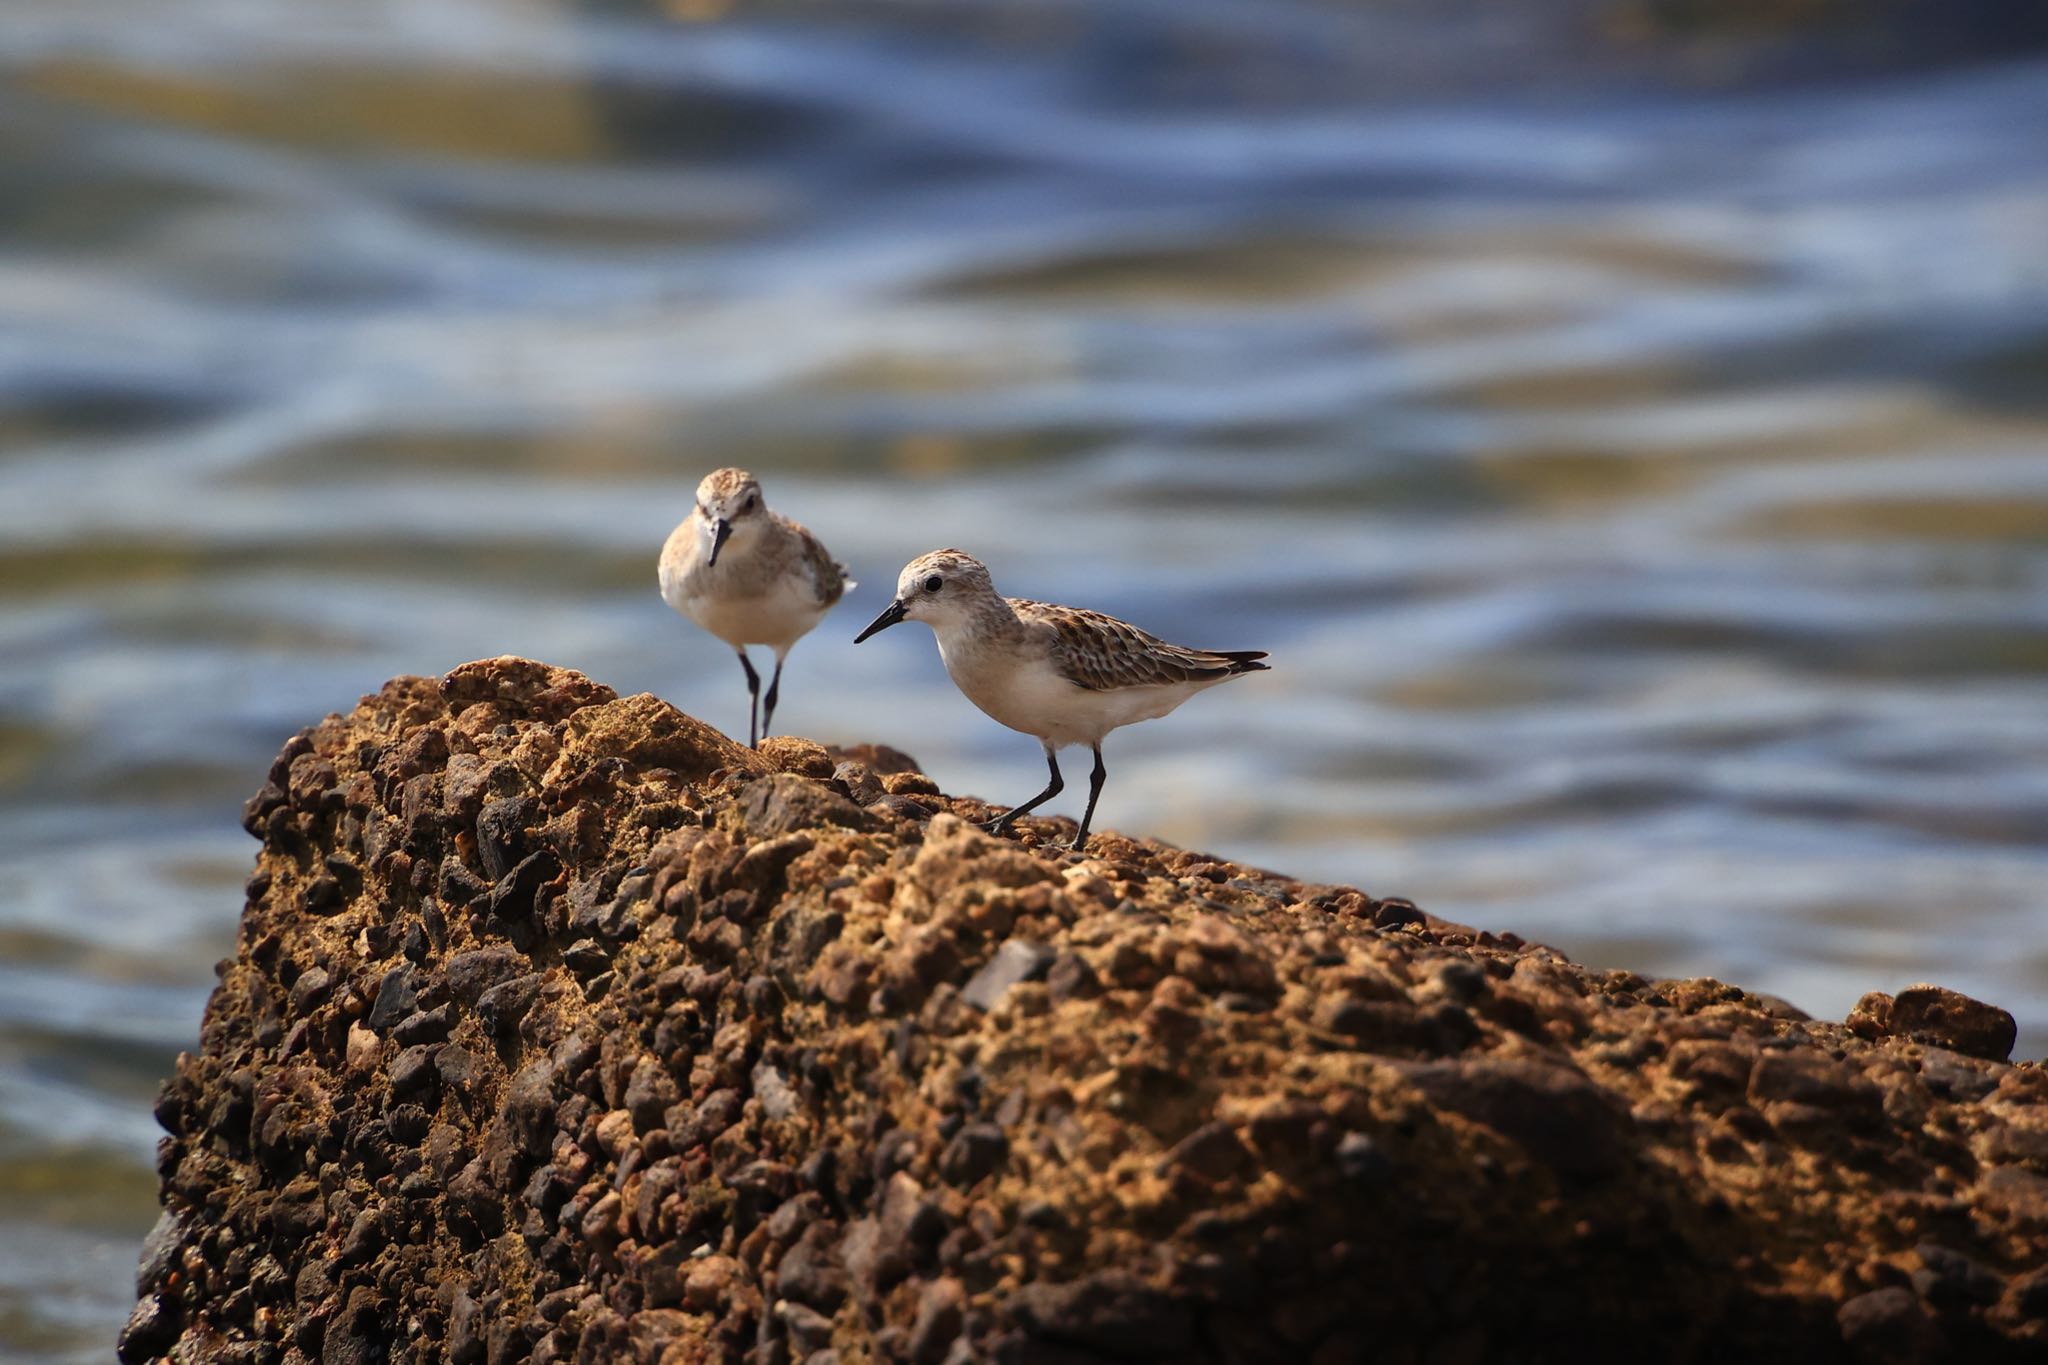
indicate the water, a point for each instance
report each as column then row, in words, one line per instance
column 1634, row 453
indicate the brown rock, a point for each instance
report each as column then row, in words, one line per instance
column 539, row 689
column 784, row 803
column 879, row 759
column 709, row 1284
column 940, row 1316
column 1017, row 960
column 606, row 1040
column 1817, row 1082
column 1112, row 1313
column 1951, row 1019
column 1888, row 1327
column 810, row 1272
column 909, row 784
column 803, row 757
column 1212, row 1152
column 1557, row 1114
column 976, row 1151
column 649, row 1094
column 649, row 733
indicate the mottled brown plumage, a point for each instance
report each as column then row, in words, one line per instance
column 828, row 573
column 750, row 576
column 1063, row 674
column 1100, row 653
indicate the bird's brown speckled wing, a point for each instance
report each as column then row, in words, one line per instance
column 1101, row 653
column 828, row 573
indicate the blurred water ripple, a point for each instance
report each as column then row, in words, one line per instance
column 1631, row 442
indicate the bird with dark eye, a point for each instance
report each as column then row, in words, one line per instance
column 749, row 577
column 1060, row 674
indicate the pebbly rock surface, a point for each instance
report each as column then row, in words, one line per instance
column 562, row 1028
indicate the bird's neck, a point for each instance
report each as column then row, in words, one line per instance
column 991, row 623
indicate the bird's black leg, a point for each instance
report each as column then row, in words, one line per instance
column 768, row 702
column 1001, row 824
column 753, row 700
column 1094, row 790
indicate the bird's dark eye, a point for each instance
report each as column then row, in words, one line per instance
column 934, row 583
column 748, row 505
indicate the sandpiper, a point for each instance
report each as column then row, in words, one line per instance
column 1064, row 675
column 749, row 576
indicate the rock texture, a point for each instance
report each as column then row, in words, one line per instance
column 562, row 1028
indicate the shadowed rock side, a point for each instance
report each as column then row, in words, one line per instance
column 563, row 1028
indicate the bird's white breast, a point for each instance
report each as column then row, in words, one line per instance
column 743, row 599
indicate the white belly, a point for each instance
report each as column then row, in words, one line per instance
column 1037, row 700
column 779, row 612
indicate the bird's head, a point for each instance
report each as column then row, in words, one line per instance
column 730, row 502
column 942, row 589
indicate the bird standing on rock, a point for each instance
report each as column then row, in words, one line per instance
column 1062, row 674
column 749, row 576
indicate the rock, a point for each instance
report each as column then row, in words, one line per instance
column 789, row 754
column 710, row 1283
column 160, row 1251
column 529, row 1107
column 1948, row 1279
column 2028, row 1294
column 1112, row 1313
column 541, row 690
column 1888, row 1327
column 859, row 783
column 1950, row 1074
column 649, row 1094
column 424, row 1026
column 1015, row 961
column 1212, row 1152
column 605, row 1039
column 470, row 974
column 941, row 1313
column 976, row 1151
column 1556, row 1113
column 649, row 733
column 778, row 1099
column 810, row 1273
column 878, row 759
column 412, row 1070
column 310, row 991
column 1362, row 1160
column 1953, row 1020
column 784, row 803
column 503, row 1007
column 809, row 1330
column 501, row 834
column 396, row 996
column 152, row 1329
column 1816, row 1083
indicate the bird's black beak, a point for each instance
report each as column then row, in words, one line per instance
column 888, row 618
column 720, row 530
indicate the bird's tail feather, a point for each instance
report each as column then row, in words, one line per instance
column 1243, row 660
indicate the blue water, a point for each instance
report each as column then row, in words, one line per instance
column 1633, row 453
